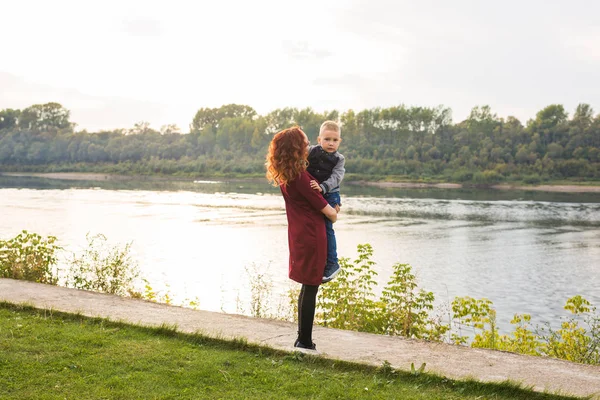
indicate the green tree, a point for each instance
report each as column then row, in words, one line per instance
column 480, row 125
column 44, row 117
column 212, row 116
column 9, row 118
column 555, row 151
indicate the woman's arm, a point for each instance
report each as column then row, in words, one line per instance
column 330, row 213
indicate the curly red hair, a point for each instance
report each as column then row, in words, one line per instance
column 287, row 156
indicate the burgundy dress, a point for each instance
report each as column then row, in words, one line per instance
column 306, row 230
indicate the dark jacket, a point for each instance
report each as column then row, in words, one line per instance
column 327, row 168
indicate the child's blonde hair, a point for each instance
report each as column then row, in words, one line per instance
column 330, row 126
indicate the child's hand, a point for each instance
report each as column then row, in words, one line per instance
column 315, row 185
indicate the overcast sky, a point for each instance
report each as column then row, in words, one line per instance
column 115, row 63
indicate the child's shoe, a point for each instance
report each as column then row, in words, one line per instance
column 331, row 270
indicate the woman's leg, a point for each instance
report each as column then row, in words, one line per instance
column 307, row 301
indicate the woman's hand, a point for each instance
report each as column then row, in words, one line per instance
column 315, row 185
column 330, row 213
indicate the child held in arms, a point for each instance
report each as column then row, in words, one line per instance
column 327, row 166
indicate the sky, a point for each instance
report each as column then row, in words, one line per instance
column 116, row 63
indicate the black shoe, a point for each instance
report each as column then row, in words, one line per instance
column 301, row 345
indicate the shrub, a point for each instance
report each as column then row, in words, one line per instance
column 488, row 176
column 462, row 175
column 30, row 257
column 104, row 269
column 532, row 179
column 349, row 302
column 404, row 309
column 572, row 341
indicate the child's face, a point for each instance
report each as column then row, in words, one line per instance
column 329, row 141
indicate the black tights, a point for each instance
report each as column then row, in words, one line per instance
column 306, row 313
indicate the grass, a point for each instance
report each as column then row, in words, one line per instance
column 52, row 355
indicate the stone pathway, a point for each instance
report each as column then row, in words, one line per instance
column 447, row 360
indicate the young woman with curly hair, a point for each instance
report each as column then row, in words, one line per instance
column 286, row 167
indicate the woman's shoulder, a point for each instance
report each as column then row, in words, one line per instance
column 305, row 177
column 302, row 180
column 302, row 176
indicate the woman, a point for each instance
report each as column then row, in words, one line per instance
column 304, row 206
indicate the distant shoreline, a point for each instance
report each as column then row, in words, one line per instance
column 91, row 176
column 551, row 188
column 504, row 186
column 74, row 176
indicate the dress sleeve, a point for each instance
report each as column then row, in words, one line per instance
column 316, row 200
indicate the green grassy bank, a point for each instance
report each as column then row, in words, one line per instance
column 51, row 355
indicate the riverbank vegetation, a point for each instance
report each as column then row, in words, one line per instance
column 348, row 302
column 399, row 143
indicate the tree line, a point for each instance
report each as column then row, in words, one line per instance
column 403, row 142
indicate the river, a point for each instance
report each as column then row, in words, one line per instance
column 528, row 252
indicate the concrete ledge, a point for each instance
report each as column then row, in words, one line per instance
column 543, row 374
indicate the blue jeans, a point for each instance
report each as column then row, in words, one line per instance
column 332, row 259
